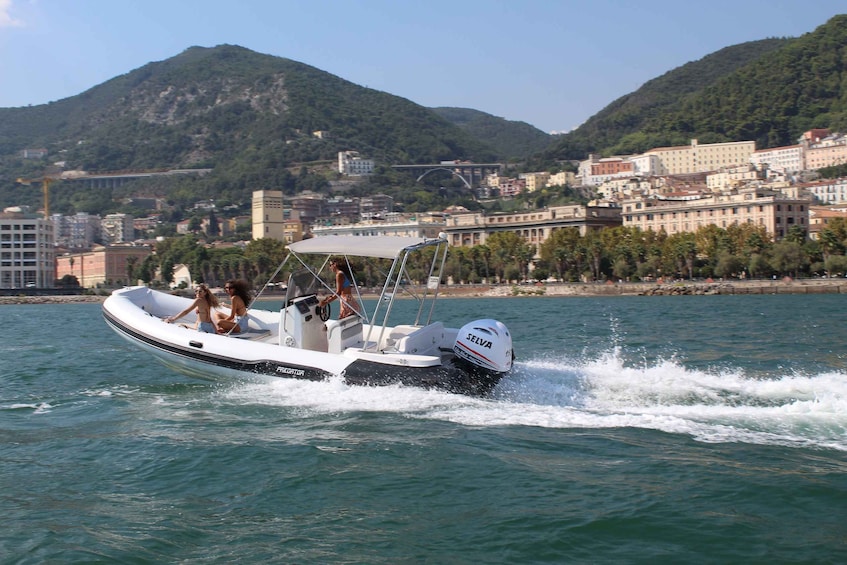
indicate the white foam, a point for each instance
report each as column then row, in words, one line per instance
column 729, row 406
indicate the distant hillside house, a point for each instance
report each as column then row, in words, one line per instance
column 349, row 163
column 32, row 153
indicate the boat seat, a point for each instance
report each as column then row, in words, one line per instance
column 252, row 331
column 343, row 333
column 251, row 334
column 421, row 341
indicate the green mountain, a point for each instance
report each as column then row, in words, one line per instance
column 769, row 91
column 514, row 140
column 251, row 117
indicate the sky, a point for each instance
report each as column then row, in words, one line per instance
column 550, row 63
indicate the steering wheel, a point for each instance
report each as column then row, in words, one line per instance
column 323, row 312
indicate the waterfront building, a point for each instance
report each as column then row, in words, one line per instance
column 103, row 265
column 268, row 215
column 777, row 211
column 27, row 251
column 534, row 226
column 425, row 224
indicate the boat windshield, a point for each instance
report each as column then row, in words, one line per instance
column 301, row 283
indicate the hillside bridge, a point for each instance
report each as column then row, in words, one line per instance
column 471, row 173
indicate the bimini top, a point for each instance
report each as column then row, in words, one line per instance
column 381, row 246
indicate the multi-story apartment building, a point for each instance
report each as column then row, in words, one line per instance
column 535, row 226
column 349, row 163
column 428, row 224
column 376, row 205
column 596, row 170
column 535, row 181
column 79, row 231
column 733, row 177
column 828, row 152
column 310, row 206
column 562, row 178
column 102, row 265
column 510, row 187
column 830, row 191
column 661, row 161
column 775, row 210
column 27, row 256
column 117, row 228
column 821, row 216
column 789, row 159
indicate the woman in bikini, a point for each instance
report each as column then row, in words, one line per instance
column 236, row 322
column 343, row 289
column 204, row 301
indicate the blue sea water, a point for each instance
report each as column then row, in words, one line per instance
column 707, row 429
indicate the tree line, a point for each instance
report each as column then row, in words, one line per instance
column 620, row 253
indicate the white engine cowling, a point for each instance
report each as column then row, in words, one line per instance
column 486, row 343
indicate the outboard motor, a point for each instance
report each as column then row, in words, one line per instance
column 485, row 343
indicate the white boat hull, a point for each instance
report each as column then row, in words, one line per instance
column 412, row 356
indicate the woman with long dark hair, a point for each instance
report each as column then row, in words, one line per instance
column 236, row 321
column 204, row 302
column 344, row 283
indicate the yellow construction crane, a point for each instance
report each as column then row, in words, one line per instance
column 45, row 185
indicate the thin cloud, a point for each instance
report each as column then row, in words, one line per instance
column 6, row 19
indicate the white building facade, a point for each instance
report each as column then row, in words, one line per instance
column 27, row 256
column 349, row 163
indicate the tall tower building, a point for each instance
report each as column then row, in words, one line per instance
column 268, row 217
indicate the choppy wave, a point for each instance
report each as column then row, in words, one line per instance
column 728, row 406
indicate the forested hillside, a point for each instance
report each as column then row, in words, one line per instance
column 512, row 140
column 251, row 117
column 769, row 91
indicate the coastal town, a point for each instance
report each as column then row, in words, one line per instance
column 668, row 190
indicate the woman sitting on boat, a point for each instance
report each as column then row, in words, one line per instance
column 343, row 289
column 236, row 321
column 204, row 301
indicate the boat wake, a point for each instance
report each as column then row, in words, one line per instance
column 788, row 410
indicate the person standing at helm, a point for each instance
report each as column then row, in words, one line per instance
column 343, row 289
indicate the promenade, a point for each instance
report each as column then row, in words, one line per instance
column 683, row 288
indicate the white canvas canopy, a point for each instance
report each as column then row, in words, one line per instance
column 381, row 246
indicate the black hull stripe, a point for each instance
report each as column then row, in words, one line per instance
column 454, row 375
column 263, row 367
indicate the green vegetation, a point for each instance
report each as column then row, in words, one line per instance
column 769, row 91
column 512, row 140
